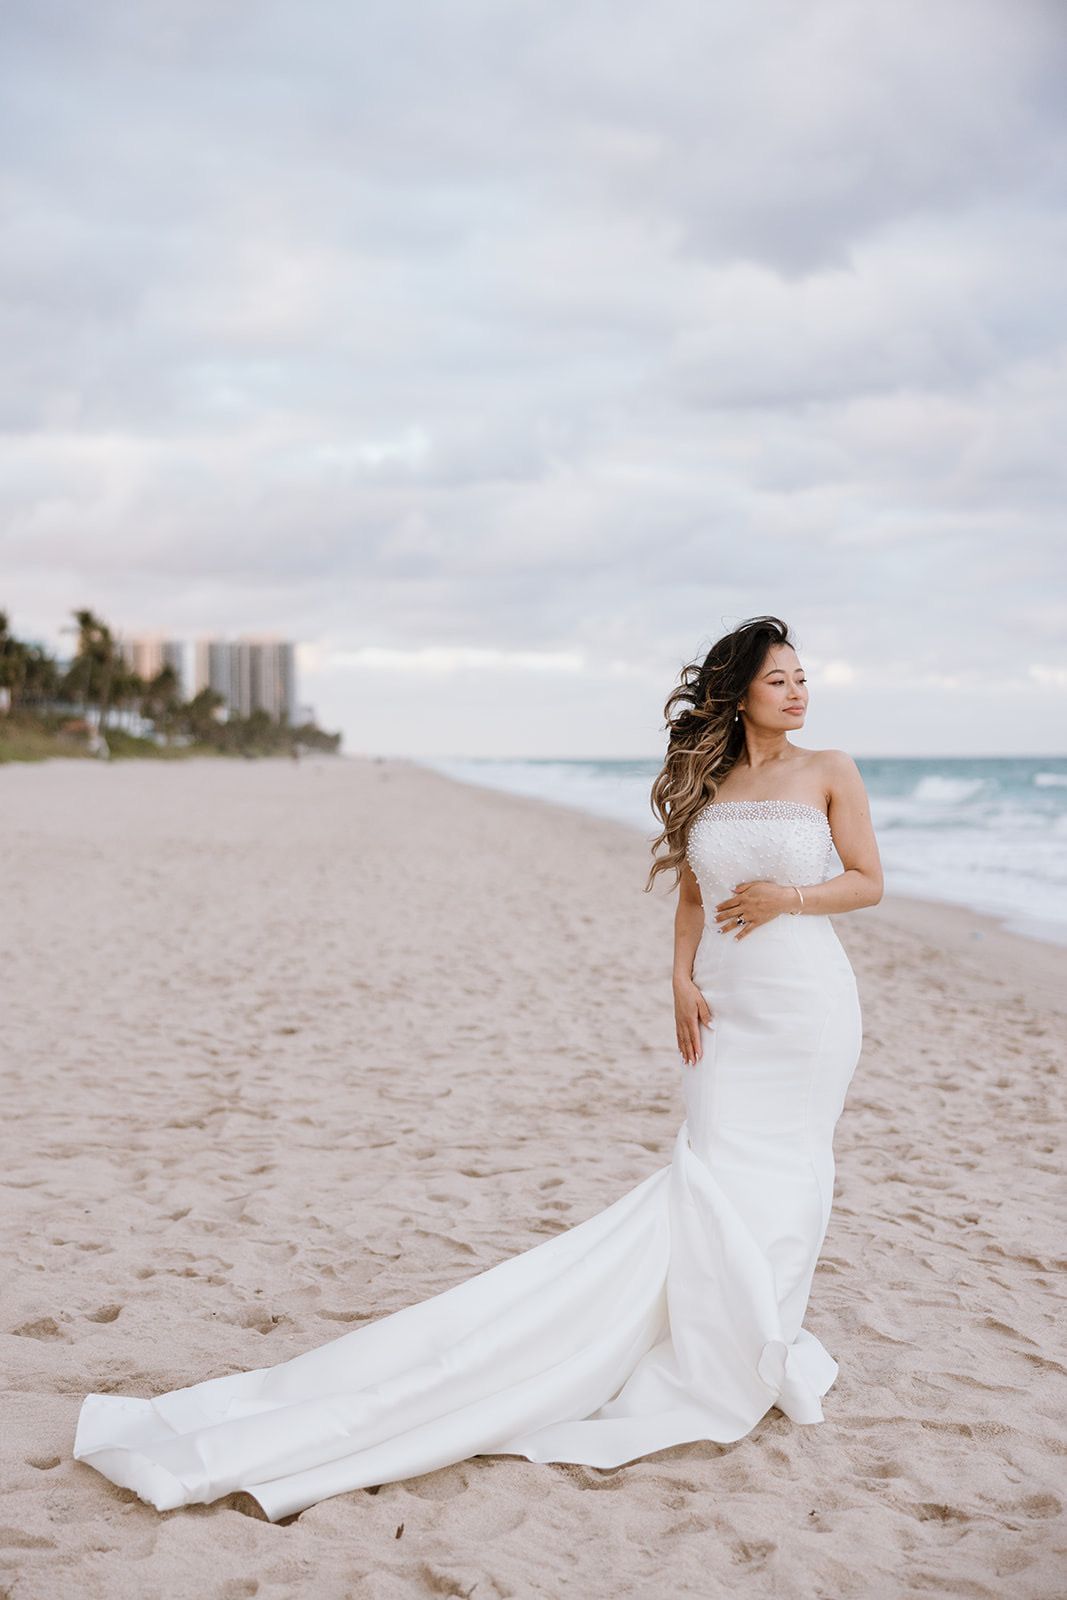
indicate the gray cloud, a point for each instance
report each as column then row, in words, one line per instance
column 577, row 328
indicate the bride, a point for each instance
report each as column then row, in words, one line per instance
column 675, row 1314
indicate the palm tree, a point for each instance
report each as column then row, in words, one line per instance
column 94, row 666
column 127, row 689
column 27, row 670
column 161, row 698
column 199, row 715
column 12, row 664
column 40, row 683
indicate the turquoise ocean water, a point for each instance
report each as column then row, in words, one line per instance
column 985, row 832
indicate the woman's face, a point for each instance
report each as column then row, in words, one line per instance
column 778, row 695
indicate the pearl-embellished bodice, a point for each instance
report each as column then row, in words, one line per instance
column 785, row 841
column 788, row 841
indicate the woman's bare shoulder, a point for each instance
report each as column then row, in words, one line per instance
column 834, row 760
column 829, row 769
column 839, row 774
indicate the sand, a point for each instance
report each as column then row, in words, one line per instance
column 287, row 1047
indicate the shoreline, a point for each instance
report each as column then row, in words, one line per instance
column 1045, row 932
column 957, row 923
column 1027, row 958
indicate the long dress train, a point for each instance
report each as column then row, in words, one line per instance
column 673, row 1315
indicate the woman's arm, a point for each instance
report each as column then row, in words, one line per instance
column 690, row 1006
column 688, row 923
column 861, row 883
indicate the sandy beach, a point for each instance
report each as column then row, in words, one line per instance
column 289, row 1046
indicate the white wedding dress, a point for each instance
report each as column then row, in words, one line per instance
column 673, row 1315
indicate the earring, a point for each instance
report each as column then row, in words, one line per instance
column 737, row 716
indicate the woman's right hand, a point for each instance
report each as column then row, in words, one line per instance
column 690, row 1010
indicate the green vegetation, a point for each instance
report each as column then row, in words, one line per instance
column 49, row 709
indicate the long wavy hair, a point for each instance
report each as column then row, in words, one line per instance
column 704, row 738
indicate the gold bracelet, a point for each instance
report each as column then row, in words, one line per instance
column 800, row 907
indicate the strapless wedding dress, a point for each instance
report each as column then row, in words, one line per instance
column 673, row 1315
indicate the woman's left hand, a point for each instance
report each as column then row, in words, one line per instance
column 755, row 901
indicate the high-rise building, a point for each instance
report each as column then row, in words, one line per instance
column 148, row 653
column 249, row 674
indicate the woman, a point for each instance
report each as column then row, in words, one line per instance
column 675, row 1314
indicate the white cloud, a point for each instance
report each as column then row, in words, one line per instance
column 442, row 661
column 1049, row 677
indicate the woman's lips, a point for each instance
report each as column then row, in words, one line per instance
column 795, row 710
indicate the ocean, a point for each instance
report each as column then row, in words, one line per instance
column 987, row 832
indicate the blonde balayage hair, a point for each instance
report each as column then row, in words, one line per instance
column 704, row 738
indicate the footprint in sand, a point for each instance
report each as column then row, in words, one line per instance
column 18, row 1539
column 104, row 1314
column 42, row 1328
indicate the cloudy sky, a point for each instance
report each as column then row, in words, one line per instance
column 504, row 354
